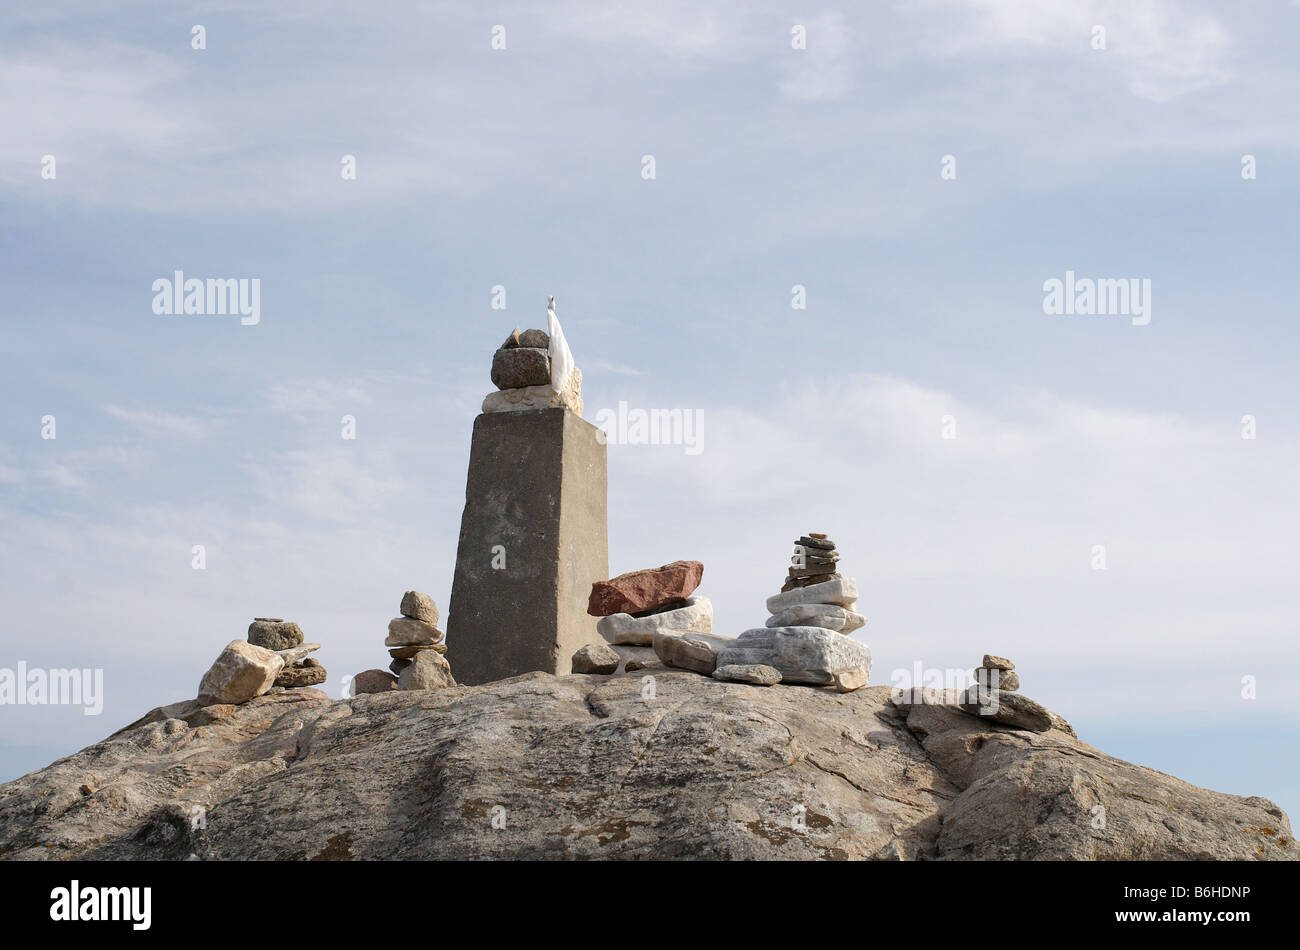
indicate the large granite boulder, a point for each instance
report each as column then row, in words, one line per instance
column 662, row 766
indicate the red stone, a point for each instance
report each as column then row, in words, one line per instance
column 645, row 590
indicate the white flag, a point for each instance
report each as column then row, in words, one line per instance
column 561, row 358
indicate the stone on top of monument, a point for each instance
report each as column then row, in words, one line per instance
column 538, row 338
column 538, row 397
column 419, row 606
column 520, row 366
column 646, row 589
column 512, row 340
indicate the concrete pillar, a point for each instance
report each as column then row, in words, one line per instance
column 532, row 541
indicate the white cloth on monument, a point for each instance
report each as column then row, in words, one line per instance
column 561, row 358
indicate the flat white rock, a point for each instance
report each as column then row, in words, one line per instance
column 841, row 592
column 695, row 617
column 537, row 397
column 802, row 654
column 839, row 619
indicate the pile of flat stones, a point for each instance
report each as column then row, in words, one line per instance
column 416, row 645
column 640, row 607
column 994, row 698
column 274, row 657
column 521, row 372
column 815, row 561
column 806, row 639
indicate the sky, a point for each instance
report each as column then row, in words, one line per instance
column 970, row 453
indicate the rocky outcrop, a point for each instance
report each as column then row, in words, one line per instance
column 664, row 765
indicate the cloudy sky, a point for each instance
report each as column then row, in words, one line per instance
column 774, row 167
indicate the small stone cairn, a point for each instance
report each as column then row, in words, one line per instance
column 273, row 657
column 993, row 698
column 643, row 608
column 521, row 371
column 806, row 637
column 416, row 645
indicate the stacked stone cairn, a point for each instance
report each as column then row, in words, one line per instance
column 645, row 616
column 806, row 639
column 993, row 698
column 521, row 371
column 416, row 645
column 273, row 658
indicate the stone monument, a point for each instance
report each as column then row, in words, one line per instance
column 533, row 534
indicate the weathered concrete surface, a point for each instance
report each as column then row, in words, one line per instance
column 603, row 767
column 537, row 488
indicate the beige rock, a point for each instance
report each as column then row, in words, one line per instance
column 595, row 658
column 697, row 652
column 846, row 681
column 992, row 662
column 419, row 607
column 428, row 670
column 241, row 672
column 405, row 632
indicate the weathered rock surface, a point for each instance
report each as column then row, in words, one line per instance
column 241, row 672
column 428, row 670
column 841, row 592
column 622, row 628
column 373, row 681
column 296, row 677
column 419, row 607
column 756, row 674
column 636, row 591
column 818, row 615
column 274, row 634
column 595, row 769
column 1011, row 709
column 596, row 658
column 690, row 651
column 802, row 654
